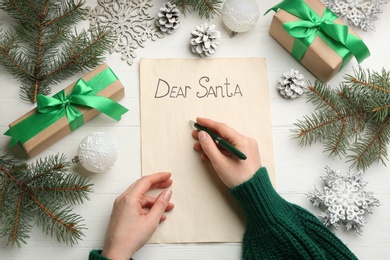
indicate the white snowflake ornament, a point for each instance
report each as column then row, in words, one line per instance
column 129, row 20
column 343, row 200
column 357, row 13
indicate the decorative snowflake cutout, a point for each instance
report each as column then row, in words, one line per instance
column 358, row 13
column 343, row 200
column 130, row 22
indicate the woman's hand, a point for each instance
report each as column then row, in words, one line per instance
column 229, row 168
column 135, row 216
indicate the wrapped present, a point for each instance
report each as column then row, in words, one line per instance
column 316, row 37
column 55, row 117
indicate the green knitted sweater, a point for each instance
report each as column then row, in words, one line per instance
column 277, row 229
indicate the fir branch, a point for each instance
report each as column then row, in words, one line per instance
column 16, row 226
column 44, row 190
column 323, row 97
column 331, row 129
column 371, row 148
column 78, row 52
column 69, row 12
column 205, row 8
column 182, row 5
column 11, row 52
column 36, row 50
column 363, row 82
column 350, row 105
column 372, row 91
column 3, row 189
column 352, row 121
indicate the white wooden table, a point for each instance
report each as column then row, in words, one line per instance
column 297, row 169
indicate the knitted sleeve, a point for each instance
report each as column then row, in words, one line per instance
column 95, row 255
column 277, row 229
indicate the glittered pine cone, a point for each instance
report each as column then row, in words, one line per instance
column 168, row 18
column 291, row 84
column 204, row 40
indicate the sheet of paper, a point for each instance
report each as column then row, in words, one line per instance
column 172, row 92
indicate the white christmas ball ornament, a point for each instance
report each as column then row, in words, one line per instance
column 240, row 15
column 97, row 152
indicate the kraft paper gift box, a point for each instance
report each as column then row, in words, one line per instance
column 316, row 37
column 57, row 116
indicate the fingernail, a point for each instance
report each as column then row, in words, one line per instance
column 167, row 194
column 201, row 135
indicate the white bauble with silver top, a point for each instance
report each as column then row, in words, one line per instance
column 240, row 15
column 97, row 152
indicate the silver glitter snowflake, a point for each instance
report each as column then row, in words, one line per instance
column 130, row 21
column 343, row 200
column 357, row 13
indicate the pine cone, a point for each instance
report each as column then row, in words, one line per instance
column 204, row 40
column 168, row 18
column 291, row 84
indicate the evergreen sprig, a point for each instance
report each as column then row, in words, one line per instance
column 43, row 191
column 351, row 121
column 205, row 8
column 42, row 49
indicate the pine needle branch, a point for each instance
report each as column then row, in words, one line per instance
column 72, row 10
column 205, row 8
column 8, row 50
column 41, row 49
column 44, row 190
column 362, row 82
column 371, row 148
column 323, row 97
column 352, row 121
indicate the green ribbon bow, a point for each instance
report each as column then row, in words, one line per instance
column 51, row 109
column 312, row 25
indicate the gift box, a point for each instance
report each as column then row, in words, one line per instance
column 55, row 117
column 316, row 37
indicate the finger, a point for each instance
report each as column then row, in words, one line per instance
column 160, row 205
column 148, row 202
column 195, row 134
column 145, row 211
column 162, row 185
column 223, row 130
column 198, row 147
column 163, row 218
column 170, row 207
column 204, row 157
column 152, row 181
column 210, row 148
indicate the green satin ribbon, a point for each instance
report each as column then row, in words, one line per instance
column 51, row 109
column 312, row 25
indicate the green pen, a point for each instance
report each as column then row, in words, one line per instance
column 219, row 140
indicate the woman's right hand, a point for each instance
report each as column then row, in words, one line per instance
column 229, row 168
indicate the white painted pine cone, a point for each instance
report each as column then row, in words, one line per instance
column 291, row 84
column 205, row 40
column 168, row 18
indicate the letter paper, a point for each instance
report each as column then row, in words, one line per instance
column 234, row 91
